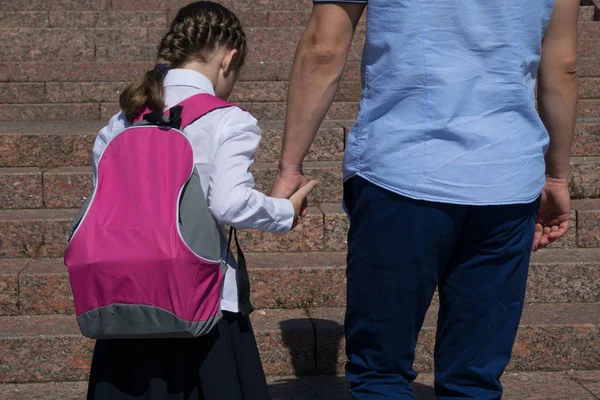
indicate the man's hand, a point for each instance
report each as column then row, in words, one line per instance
column 555, row 213
column 287, row 183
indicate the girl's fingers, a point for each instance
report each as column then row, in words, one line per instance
column 305, row 190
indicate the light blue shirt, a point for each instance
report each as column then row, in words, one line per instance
column 447, row 112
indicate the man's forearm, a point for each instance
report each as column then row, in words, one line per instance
column 318, row 67
column 558, row 84
column 557, row 104
column 313, row 83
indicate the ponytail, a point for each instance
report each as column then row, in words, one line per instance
column 147, row 92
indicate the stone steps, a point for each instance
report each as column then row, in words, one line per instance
column 260, row 110
column 552, row 337
column 68, row 143
column 43, row 233
column 43, row 78
column 578, row 385
column 150, row 5
column 88, row 72
column 154, row 19
column 67, row 187
column 58, row 144
column 79, row 92
column 340, row 110
column 72, row 65
column 139, row 44
column 297, row 281
column 245, row 91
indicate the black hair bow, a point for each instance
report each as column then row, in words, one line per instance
column 173, row 120
column 163, row 68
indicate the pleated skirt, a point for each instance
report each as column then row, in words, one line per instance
column 223, row 365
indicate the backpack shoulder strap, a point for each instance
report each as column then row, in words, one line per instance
column 186, row 112
column 197, row 106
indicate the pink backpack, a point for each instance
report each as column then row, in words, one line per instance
column 144, row 258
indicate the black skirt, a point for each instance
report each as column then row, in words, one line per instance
column 223, row 365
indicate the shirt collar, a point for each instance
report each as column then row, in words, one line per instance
column 188, row 77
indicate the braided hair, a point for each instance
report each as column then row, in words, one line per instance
column 197, row 31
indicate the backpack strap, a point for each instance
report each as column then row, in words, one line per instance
column 186, row 112
column 197, row 106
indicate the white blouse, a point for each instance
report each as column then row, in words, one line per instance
column 224, row 143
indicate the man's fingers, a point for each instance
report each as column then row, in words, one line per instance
column 537, row 236
column 544, row 241
column 558, row 231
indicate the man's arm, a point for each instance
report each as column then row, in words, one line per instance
column 557, row 86
column 318, row 66
column 557, row 104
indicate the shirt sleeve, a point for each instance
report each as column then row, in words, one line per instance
column 116, row 125
column 232, row 198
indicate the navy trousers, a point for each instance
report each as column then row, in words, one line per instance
column 400, row 249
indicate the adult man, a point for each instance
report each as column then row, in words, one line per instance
column 443, row 174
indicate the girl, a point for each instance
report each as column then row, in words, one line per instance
column 202, row 53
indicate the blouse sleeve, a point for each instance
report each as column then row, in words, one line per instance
column 116, row 125
column 231, row 197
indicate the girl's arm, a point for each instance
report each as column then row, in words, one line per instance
column 232, row 198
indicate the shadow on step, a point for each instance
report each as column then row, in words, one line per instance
column 319, row 353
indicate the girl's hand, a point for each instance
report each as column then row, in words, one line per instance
column 299, row 198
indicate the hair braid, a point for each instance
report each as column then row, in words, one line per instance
column 197, row 31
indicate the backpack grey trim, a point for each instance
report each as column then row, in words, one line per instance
column 197, row 226
column 80, row 214
column 134, row 321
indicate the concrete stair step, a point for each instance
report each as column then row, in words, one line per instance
column 245, row 91
column 151, row 29
column 153, row 19
column 106, row 72
column 340, row 110
column 74, row 19
column 43, row 233
column 57, row 144
column 587, row 13
column 586, row 141
column 66, row 187
column 149, row 19
column 297, row 281
column 98, row 92
column 589, row 66
column 517, row 386
column 139, row 44
column 552, row 337
column 68, row 143
column 130, row 71
column 103, row 111
column 151, row 5
column 548, row 339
